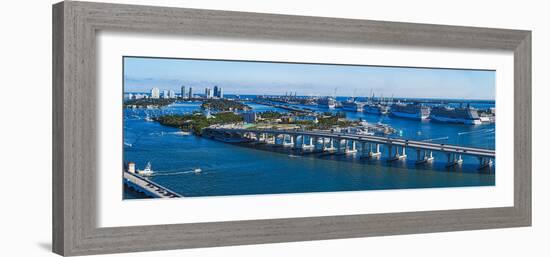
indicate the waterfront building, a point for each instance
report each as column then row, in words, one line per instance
column 165, row 94
column 220, row 92
column 249, row 117
column 190, row 92
column 208, row 93
column 215, row 91
column 171, row 94
column 130, row 96
column 155, row 93
column 183, row 92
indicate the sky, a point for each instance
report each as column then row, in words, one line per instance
column 259, row 78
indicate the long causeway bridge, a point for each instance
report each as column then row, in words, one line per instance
column 367, row 146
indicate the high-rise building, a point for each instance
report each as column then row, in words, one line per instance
column 208, row 92
column 215, row 91
column 183, row 92
column 171, row 94
column 190, row 92
column 220, row 92
column 155, row 93
column 165, row 94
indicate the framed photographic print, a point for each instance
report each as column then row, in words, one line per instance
column 183, row 128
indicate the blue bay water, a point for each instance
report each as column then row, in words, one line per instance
column 237, row 170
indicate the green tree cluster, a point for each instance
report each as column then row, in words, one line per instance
column 224, row 105
column 197, row 122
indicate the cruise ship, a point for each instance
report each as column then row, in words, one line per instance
column 465, row 115
column 412, row 111
column 326, row 102
column 377, row 109
column 352, row 105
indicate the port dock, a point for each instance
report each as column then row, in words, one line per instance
column 147, row 187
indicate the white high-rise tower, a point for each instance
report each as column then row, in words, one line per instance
column 155, row 93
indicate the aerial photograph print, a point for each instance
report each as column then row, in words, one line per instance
column 200, row 127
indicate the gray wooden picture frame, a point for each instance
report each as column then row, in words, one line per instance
column 75, row 25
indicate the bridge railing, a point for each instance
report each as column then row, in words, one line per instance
column 371, row 138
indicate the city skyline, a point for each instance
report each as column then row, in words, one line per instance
column 259, row 78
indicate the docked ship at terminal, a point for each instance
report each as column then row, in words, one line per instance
column 437, row 112
column 327, row 102
column 352, row 105
column 464, row 115
column 413, row 111
column 455, row 111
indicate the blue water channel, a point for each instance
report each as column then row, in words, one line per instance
column 229, row 169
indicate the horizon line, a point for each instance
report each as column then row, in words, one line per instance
column 394, row 97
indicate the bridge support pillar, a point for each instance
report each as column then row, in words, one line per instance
column 423, row 156
column 377, row 152
column 396, row 156
column 328, row 144
column 261, row 137
column 314, row 143
column 296, row 144
column 268, row 139
column 454, row 159
column 307, row 143
column 484, row 163
column 352, row 148
column 284, row 141
column 340, row 148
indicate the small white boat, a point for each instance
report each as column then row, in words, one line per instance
column 147, row 171
column 197, row 170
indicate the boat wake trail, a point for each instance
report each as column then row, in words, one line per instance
column 174, row 173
